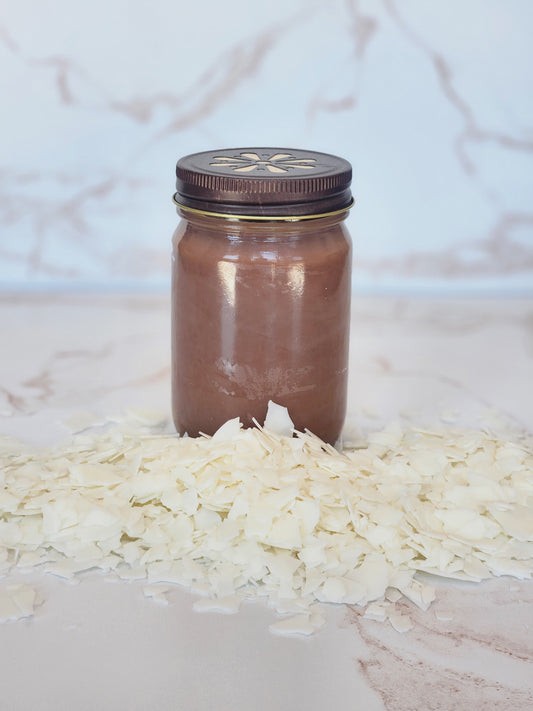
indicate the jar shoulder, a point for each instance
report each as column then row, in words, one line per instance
column 302, row 242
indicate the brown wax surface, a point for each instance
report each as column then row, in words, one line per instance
column 260, row 312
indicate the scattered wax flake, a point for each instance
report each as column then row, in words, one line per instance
column 228, row 605
column 467, row 524
column 17, row 600
column 393, row 595
column 517, row 522
column 386, row 515
column 228, row 430
column 333, row 590
column 180, row 572
column 422, row 595
column 374, row 574
column 298, row 624
column 307, row 513
column 202, row 589
column 475, row 569
column 127, row 573
column 284, row 606
column 521, row 569
column 285, row 533
column 8, row 503
column 376, row 611
column 282, row 564
column 205, row 519
column 157, row 593
column 401, row 623
column 189, row 501
column 31, row 559
column 278, row 421
column 68, row 569
column 96, row 474
column 271, row 515
column 313, row 554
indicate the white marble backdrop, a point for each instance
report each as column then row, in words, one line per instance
column 431, row 101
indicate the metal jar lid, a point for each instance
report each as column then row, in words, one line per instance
column 263, row 183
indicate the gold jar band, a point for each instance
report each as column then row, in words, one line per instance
column 262, row 218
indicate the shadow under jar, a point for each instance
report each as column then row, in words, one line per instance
column 261, row 286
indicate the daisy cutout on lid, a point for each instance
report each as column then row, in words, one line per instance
column 277, row 163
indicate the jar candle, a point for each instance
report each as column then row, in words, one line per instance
column 261, row 277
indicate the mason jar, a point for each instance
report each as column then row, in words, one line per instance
column 261, row 277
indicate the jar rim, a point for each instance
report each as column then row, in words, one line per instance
column 261, row 218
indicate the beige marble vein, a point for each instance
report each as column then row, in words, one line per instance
column 233, row 66
column 472, row 659
column 71, row 210
column 64, row 69
column 472, row 131
column 362, row 27
column 410, row 358
column 442, row 153
column 227, row 73
column 500, row 252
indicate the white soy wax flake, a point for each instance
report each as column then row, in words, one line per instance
column 130, row 574
column 393, row 595
column 517, row 522
column 29, row 560
column 374, row 574
column 376, row 611
column 284, row 606
column 401, row 623
column 189, row 502
column 521, row 569
column 422, row 595
column 157, row 593
column 333, row 590
column 203, row 589
column 17, row 600
column 228, row 430
column 67, row 569
column 285, row 533
column 278, row 421
column 301, row 624
column 228, row 605
column 270, row 515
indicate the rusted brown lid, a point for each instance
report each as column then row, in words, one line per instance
column 263, row 182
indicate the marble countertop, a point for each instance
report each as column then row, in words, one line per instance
column 102, row 645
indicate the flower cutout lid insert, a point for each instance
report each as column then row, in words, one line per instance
column 275, row 182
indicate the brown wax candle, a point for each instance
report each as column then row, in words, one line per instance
column 261, row 289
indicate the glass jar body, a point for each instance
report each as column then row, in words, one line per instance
column 260, row 311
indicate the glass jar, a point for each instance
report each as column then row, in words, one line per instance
column 261, row 282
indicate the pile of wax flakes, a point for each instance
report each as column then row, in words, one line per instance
column 258, row 513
